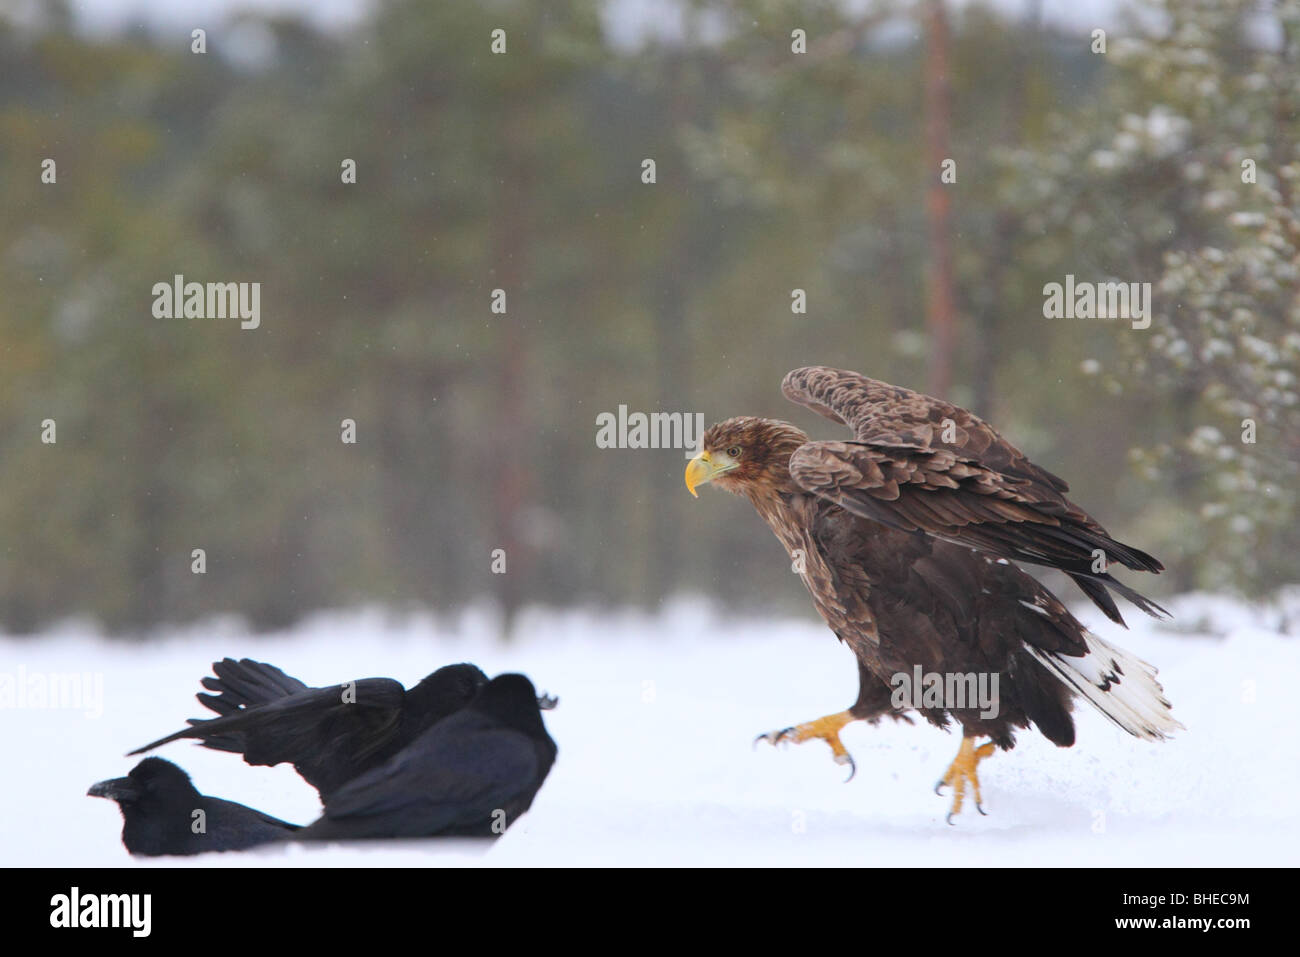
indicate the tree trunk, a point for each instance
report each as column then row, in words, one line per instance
column 940, row 308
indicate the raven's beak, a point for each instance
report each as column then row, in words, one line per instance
column 699, row 471
column 547, row 702
column 115, row 789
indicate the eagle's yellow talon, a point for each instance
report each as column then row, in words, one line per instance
column 827, row 728
column 963, row 769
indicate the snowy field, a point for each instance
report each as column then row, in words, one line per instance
column 655, row 725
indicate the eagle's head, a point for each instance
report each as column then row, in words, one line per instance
column 746, row 456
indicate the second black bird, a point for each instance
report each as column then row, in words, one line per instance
column 472, row 774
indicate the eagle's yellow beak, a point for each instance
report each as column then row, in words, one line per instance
column 699, row 470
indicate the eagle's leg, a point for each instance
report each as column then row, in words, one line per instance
column 827, row 728
column 874, row 701
column 962, row 770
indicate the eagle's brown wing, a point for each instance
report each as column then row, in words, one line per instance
column 976, row 490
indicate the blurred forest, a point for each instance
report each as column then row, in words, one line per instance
column 775, row 171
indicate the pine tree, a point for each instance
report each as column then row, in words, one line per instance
column 1184, row 173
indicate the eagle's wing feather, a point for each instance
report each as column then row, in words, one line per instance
column 900, row 418
column 977, row 490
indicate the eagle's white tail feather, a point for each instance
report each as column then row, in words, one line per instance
column 1120, row 685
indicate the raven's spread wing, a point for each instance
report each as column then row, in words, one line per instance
column 329, row 735
column 449, row 780
column 235, row 685
column 245, row 684
column 919, row 464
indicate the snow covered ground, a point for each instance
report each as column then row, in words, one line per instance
column 654, row 728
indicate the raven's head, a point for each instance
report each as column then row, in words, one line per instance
column 160, row 807
column 448, row 689
column 152, row 781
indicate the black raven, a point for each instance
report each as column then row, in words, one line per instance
column 162, row 813
column 330, row 735
column 470, row 775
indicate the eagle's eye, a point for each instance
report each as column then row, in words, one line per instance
column 734, row 452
